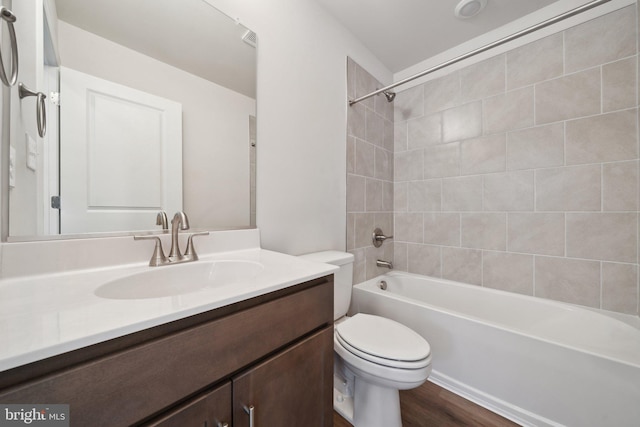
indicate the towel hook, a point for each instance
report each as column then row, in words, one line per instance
column 10, row 18
column 41, row 111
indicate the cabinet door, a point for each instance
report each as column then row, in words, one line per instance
column 292, row 388
column 210, row 409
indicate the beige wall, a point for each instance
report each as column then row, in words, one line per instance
column 521, row 172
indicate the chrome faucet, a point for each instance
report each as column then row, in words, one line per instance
column 386, row 264
column 179, row 221
column 162, row 220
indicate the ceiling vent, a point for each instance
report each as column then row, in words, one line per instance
column 250, row 38
column 469, row 8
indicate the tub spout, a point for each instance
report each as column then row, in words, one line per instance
column 387, row 264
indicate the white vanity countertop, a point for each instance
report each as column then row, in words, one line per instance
column 47, row 315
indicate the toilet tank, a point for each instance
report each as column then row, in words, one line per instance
column 343, row 278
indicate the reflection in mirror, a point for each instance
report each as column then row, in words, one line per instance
column 150, row 108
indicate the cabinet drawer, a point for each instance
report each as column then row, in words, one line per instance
column 210, row 409
column 128, row 386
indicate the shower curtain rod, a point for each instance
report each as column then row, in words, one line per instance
column 489, row 46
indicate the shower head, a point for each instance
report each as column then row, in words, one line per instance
column 390, row 95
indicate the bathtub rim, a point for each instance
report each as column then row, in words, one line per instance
column 633, row 321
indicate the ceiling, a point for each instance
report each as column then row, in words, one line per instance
column 184, row 35
column 402, row 33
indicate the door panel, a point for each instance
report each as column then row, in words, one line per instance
column 120, row 155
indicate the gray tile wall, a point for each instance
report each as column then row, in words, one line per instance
column 370, row 163
column 517, row 173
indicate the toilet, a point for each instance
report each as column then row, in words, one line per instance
column 375, row 357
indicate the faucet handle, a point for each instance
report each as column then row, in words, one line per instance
column 190, row 253
column 158, row 257
column 378, row 238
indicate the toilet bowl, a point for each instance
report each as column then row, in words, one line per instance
column 384, row 356
column 375, row 357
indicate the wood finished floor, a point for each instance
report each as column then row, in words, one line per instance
column 433, row 406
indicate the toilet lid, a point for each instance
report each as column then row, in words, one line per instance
column 383, row 338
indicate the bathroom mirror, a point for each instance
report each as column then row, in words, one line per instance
column 150, row 106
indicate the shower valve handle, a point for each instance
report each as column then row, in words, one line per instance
column 378, row 238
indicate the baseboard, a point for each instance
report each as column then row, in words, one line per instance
column 499, row 406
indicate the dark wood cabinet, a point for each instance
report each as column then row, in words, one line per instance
column 277, row 349
column 289, row 389
column 211, row 409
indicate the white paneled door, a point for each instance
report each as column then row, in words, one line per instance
column 120, row 155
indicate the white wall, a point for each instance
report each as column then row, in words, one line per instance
column 23, row 209
column 5, row 95
column 541, row 15
column 215, row 124
column 302, row 109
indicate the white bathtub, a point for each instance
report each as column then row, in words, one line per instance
column 537, row 362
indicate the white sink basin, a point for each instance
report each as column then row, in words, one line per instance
column 180, row 279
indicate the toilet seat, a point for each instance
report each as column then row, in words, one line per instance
column 383, row 341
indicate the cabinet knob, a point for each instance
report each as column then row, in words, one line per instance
column 250, row 410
